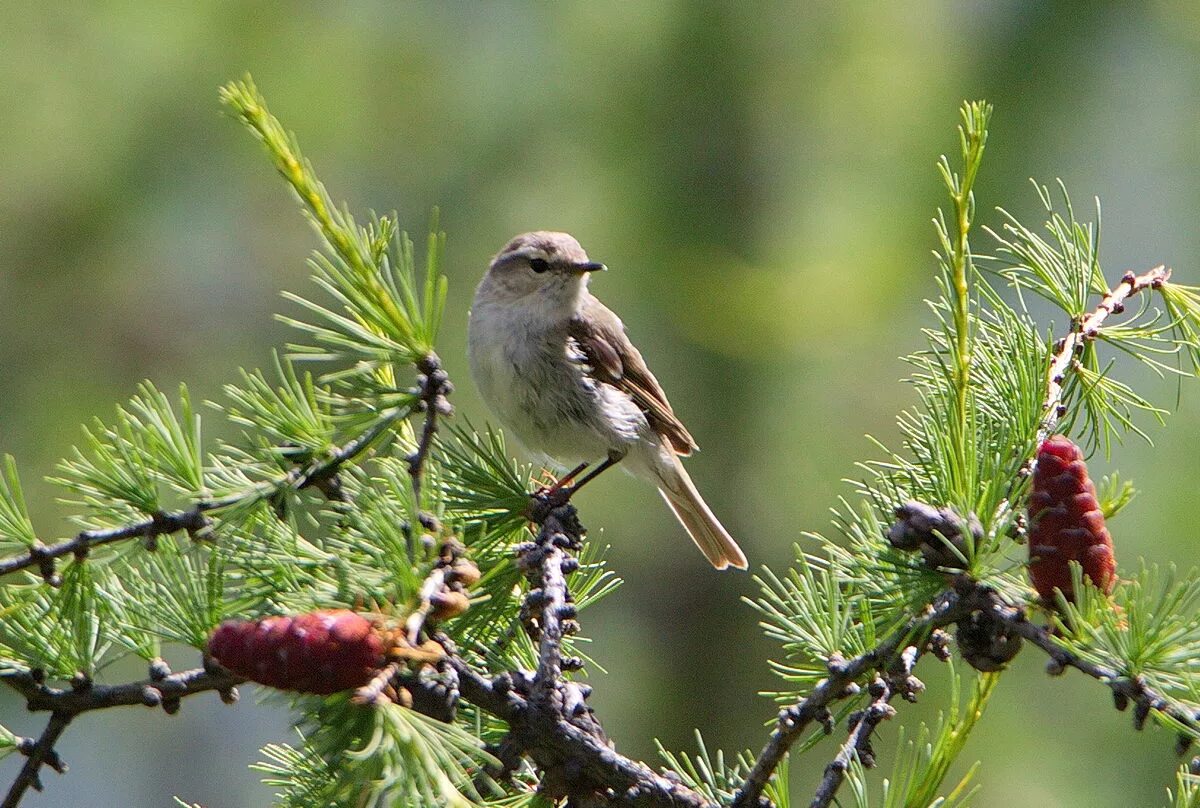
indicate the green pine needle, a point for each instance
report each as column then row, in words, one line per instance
column 1187, row 788
column 1063, row 269
column 384, row 313
column 172, row 442
column 1183, row 306
column 483, row 485
column 179, row 593
column 305, row 780
column 290, row 415
column 389, row 755
column 711, row 776
column 16, row 529
column 814, row 613
column 64, row 630
column 1149, row 628
column 1114, row 494
column 1105, row 407
column 8, row 742
column 114, row 480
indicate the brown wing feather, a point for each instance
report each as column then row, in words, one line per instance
column 614, row 360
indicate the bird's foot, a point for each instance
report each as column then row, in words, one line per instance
column 545, row 500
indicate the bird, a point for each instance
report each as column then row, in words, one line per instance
column 556, row 368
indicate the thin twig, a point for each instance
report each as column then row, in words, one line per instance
column 159, row 689
column 858, row 744
column 1086, row 331
column 194, row 518
column 434, row 583
column 433, row 387
column 42, row 753
column 153, row 691
column 442, row 581
column 372, row 692
column 1125, row 689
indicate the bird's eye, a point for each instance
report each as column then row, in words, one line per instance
column 539, row 265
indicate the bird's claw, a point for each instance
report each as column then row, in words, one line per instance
column 547, row 499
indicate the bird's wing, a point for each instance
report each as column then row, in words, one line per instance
column 614, row 360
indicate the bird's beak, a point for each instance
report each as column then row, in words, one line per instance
column 588, row 266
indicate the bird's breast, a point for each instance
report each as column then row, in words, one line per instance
column 536, row 380
column 525, row 371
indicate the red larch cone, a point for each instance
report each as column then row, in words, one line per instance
column 1066, row 523
column 319, row 652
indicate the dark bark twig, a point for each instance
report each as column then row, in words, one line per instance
column 64, row 704
column 548, row 718
column 1125, row 689
column 549, row 597
column 896, row 681
column 42, row 753
column 153, row 691
column 858, row 743
column 964, row 598
column 433, row 385
column 551, row 742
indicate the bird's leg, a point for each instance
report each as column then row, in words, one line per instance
column 560, row 493
column 562, row 482
column 612, row 459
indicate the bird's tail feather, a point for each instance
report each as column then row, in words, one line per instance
column 698, row 520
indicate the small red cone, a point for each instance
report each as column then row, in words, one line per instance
column 320, row 652
column 1066, row 523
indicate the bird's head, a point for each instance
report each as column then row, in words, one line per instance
column 543, row 266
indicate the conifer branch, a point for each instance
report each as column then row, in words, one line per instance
column 556, row 744
column 1126, row 690
column 160, row 689
column 964, row 598
column 194, row 519
column 1067, row 348
column 548, row 717
column 898, row 681
column 947, row 608
column 956, row 243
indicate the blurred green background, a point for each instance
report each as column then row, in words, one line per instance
column 761, row 182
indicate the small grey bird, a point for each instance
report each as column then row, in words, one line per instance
column 556, row 368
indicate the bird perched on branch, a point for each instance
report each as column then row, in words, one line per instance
column 557, row 369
